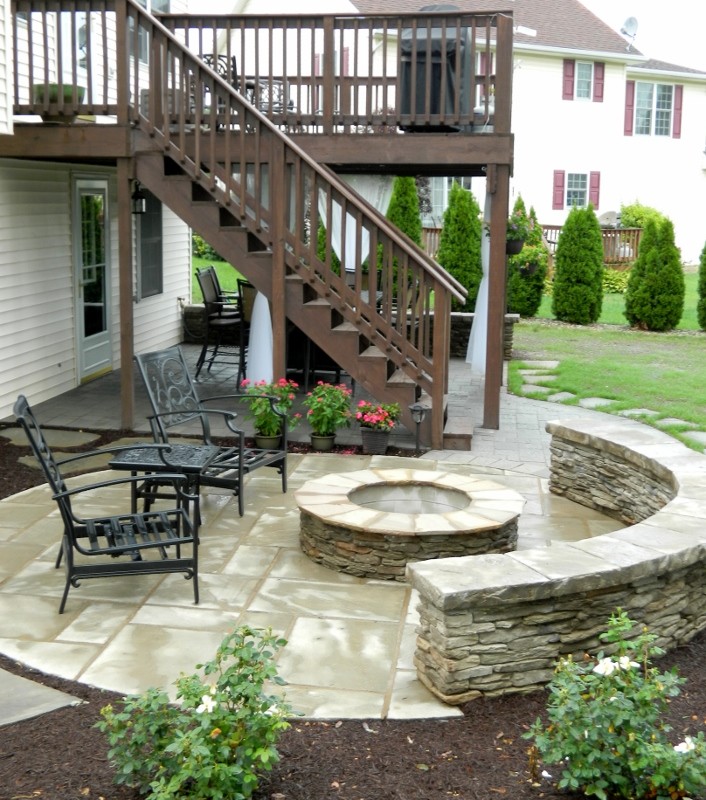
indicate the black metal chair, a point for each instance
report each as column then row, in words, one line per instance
column 147, row 543
column 219, row 319
column 175, row 402
column 246, row 294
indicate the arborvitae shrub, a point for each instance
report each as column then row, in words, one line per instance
column 459, row 245
column 655, row 296
column 701, row 305
column 403, row 211
column 578, row 269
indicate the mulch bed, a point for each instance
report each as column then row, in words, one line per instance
column 480, row 756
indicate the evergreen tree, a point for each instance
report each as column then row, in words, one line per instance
column 656, row 291
column 578, row 269
column 459, row 245
column 403, row 211
column 701, row 305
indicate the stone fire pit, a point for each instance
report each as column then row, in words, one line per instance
column 371, row 522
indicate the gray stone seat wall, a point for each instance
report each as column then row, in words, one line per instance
column 495, row 624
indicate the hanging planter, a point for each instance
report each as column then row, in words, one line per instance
column 514, row 246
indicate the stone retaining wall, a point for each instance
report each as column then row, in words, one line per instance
column 496, row 624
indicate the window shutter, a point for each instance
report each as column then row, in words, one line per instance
column 346, row 60
column 629, row 107
column 594, row 188
column 598, row 81
column 568, row 82
column 558, row 191
column 678, row 101
column 317, row 64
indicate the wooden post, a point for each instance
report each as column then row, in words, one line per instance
column 278, row 210
column 499, row 188
column 127, row 339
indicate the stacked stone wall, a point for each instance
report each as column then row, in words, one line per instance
column 497, row 624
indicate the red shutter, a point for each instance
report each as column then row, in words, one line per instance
column 629, row 107
column 598, row 81
column 594, row 189
column 558, row 190
column 568, row 82
column 317, row 64
column 678, row 102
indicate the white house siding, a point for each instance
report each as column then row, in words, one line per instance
column 584, row 136
column 37, row 315
column 158, row 319
column 5, row 68
column 36, row 294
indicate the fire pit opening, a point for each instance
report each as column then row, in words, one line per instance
column 410, row 498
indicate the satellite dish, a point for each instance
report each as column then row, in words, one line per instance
column 629, row 27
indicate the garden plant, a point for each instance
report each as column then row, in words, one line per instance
column 654, row 299
column 218, row 737
column 604, row 735
column 328, row 408
column 527, row 271
column 265, row 399
column 701, row 305
column 578, row 269
column 459, row 245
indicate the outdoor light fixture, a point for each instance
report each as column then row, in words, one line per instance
column 418, row 412
column 138, row 200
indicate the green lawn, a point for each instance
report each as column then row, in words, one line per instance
column 614, row 305
column 227, row 276
column 663, row 372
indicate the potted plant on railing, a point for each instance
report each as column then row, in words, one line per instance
column 376, row 421
column 269, row 408
column 59, row 96
column 328, row 409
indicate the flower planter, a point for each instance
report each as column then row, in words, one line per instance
column 514, row 246
column 267, row 442
column 43, row 94
column 322, row 443
column 374, row 442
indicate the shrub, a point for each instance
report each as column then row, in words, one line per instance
column 578, row 269
column 615, row 281
column 635, row 215
column 403, row 211
column 525, row 282
column 202, row 249
column 459, row 244
column 216, row 740
column 321, row 245
column 655, row 295
column 701, row 305
column 604, row 731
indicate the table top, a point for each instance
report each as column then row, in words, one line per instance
column 179, row 458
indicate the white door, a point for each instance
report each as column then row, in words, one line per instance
column 92, row 270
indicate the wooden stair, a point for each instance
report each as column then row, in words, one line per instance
column 316, row 316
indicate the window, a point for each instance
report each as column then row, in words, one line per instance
column 150, row 249
column 653, row 109
column 583, row 80
column 154, row 7
column 576, row 189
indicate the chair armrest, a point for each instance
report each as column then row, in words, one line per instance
column 229, row 417
column 177, row 480
column 119, row 448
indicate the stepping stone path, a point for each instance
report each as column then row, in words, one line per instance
column 539, row 372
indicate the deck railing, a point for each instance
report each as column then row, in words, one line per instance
column 620, row 245
column 310, row 73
